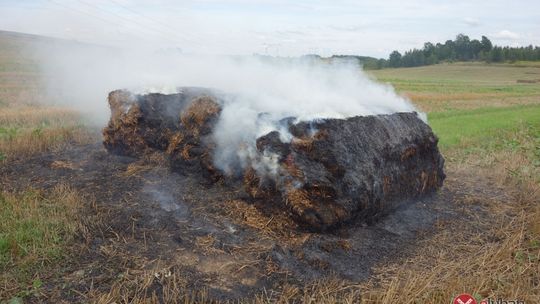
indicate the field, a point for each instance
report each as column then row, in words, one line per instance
column 488, row 123
column 59, row 243
column 466, row 86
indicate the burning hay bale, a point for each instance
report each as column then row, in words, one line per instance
column 328, row 171
column 178, row 124
column 123, row 135
column 336, row 169
column 191, row 146
column 139, row 123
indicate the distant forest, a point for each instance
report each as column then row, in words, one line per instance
column 460, row 49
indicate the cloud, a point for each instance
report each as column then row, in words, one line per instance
column 290, row 32
column 471, row 22
column 349, row 28
column 506, row 35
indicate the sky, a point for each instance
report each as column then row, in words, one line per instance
column 275, row 27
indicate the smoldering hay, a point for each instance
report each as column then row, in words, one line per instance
column 325, row 170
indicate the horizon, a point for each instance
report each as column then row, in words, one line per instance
column 274, row 28
column 329, row 56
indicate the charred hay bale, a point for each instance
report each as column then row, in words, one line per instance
column 141, row 122
column 330, row 172
column 177, row 124
column 122, row 135
column 191, row 147
column 337, row 169
column 201, row 115
column 259, row 186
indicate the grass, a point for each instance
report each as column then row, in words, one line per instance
column 481, row 126
column 26, row 130
column 36, row 228
column 497, row 142
column 19, row 74
column 28, row 125
column 446, row 87
column 474, row 74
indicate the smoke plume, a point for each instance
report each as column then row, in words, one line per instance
column 258, row 92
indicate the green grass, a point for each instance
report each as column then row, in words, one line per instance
column 474, row 105
column 479, row 111
column 482, row 126
column 35, row 229
column 489, row 137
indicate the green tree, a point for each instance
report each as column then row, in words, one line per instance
column 395, row 59
column 486, row 44
column 429, row 49
column 496, row 54
column 382, row 63
column 475, row 48
column 462, row 47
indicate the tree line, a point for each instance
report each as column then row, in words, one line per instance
column 462, row 48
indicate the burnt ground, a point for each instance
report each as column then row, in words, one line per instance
column 141, row 216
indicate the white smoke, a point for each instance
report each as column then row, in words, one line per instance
column 82, row 76
column 302, row 89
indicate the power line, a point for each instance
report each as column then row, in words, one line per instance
column 143, row 26
column 155, row 34
column 155, row 21
column 121, row 17
column 83, row 12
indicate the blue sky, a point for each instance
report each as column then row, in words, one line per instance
column 275, row 27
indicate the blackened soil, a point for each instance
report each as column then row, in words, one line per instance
column 139, row 214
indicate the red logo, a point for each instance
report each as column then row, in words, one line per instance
column 464, row 299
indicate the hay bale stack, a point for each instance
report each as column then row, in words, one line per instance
column 336, row 169
column 191, row 147
column 199, row 117
column 332, row 170
column 124, row 134
column 177, row 124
